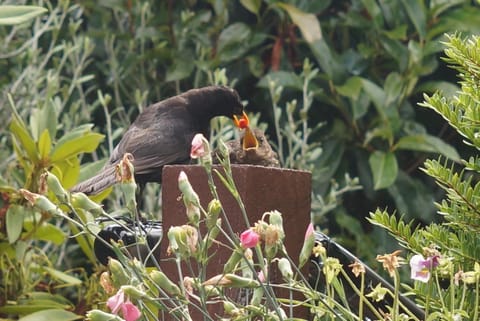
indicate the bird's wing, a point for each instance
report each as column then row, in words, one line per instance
column 163, row 139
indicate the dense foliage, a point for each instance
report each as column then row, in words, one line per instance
column 334, row 83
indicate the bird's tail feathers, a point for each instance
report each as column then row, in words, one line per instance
column 97, row 183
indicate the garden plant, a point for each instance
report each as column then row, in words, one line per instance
column 339, row 86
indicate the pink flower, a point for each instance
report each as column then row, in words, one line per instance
column 249, row 238
column 309, row 231
column 129, row 311
column 198, row 147
column 421, row 267
column 261, row 275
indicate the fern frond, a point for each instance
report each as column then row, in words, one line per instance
column 462, row 204
column 403, row 232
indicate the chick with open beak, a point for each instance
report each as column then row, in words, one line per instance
column 249, row 141
column 253, row 147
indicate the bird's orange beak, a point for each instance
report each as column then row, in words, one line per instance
column 241, row 123
column 249, row 140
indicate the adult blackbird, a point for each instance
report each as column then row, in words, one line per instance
column 163, row 132
column 252, row 148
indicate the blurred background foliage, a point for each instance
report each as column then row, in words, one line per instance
column 335, row 84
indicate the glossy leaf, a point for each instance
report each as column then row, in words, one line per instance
column 376, row 94
column 417, row 14
column 393, row 88
column 307, row 22
column 85, row 144
column 67, row 171
column 74, row 133
column 427, row 143
column 14, row 15
column 328, row 60
column 233, row 41
column 14, row 222
column 384, row 168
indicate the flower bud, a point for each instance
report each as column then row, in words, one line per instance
column 97, row 315
column 165, row 283
column 80, row 200
column 56, row 187
column 183, row 240
column 190, row 199
column 41, row 202
column 201, row 150
column 249, row 238
column 285, row 268
column 275, row 219
column 331, row 268
column 117, row 273
column 232, row 310
column 232, row 281
column 134, row 292
column 214, row 209
column 307, row 248
column 125, row 175
column 224, row 153
column 247, row 264
column 106, row 283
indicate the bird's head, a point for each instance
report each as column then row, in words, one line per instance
column 211, row 101
column 229, row 99
column 249, row 141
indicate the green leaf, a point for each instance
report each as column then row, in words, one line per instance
column 27, row 144
column 45, row 232
column 13, row 15
column 43, row 118
column 33, row 302
column 181, row 68
column 51, row 315
column 393, row 88
column 376, row 94
column 44, row 144
column 233, row 41
column 252, row 5
column 427, row 143
column 351, row 88
column 328, row 59
column 14, row 222
column 74, row 133
column 282, row 78
column 307, row 22
column 62, row 276
column 84, row 144
column 417, row 14
column 384, row 168
column 67, row 171
column 374, row 11
column 446, row 88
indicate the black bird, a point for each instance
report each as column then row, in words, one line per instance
column 163, row 132
column 252, row 148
